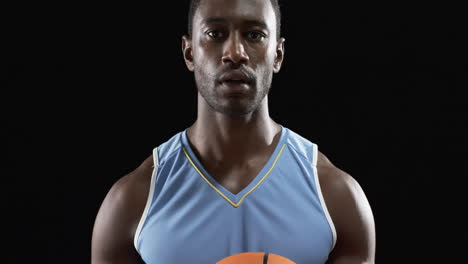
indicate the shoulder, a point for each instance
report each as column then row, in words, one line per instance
column 128, row 194
column 120, row 213
column 331, row 177
column 133, row 182
column 350, row 211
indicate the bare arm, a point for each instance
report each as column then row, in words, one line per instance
column 118, row 217
column 351, row 214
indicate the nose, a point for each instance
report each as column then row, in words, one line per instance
column 234, row 50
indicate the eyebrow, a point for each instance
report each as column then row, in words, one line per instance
column 249, row 22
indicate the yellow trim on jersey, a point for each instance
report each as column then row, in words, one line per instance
column 218, row 191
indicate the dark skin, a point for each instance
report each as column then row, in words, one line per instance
column 234, row 132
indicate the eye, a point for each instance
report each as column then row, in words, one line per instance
column 255, row 36
column 215, row 34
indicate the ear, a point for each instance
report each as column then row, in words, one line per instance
column 279, row 55
column 187, row 51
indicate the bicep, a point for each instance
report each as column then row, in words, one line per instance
column 112, row 233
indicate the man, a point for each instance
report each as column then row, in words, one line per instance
column 235, row 181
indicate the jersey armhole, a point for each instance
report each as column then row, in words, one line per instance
column 149, row 199
column 320, row 195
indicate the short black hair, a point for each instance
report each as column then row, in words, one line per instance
column 195, row 3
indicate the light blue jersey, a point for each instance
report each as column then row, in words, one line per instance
column 190, row 218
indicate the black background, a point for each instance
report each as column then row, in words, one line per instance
column 88, row 91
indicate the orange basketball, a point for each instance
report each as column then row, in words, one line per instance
column 255, row 258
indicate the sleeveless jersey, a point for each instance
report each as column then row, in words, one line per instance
column 190, row 218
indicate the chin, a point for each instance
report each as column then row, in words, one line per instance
column 236, row 111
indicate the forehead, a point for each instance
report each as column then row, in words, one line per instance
column 236, row 11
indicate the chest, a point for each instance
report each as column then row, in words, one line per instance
column 235, row 180
column 193, row 223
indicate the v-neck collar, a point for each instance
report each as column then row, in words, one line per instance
column 234, row 199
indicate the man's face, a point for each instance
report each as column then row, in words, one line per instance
column 234, row 52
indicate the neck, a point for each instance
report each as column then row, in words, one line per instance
column 224, row 137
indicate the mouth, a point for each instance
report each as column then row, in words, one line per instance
column 235, row 88
column 234, row 82
column 235, row 77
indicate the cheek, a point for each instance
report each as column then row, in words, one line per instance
column 262, row 56
column 271, row 54
column 199, row 56
column 206, row 54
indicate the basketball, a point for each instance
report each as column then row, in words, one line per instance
column 255, row 258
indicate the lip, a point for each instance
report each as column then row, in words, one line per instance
column 235, row 76
column 235, row 87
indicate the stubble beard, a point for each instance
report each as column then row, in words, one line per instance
column 207, row 86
